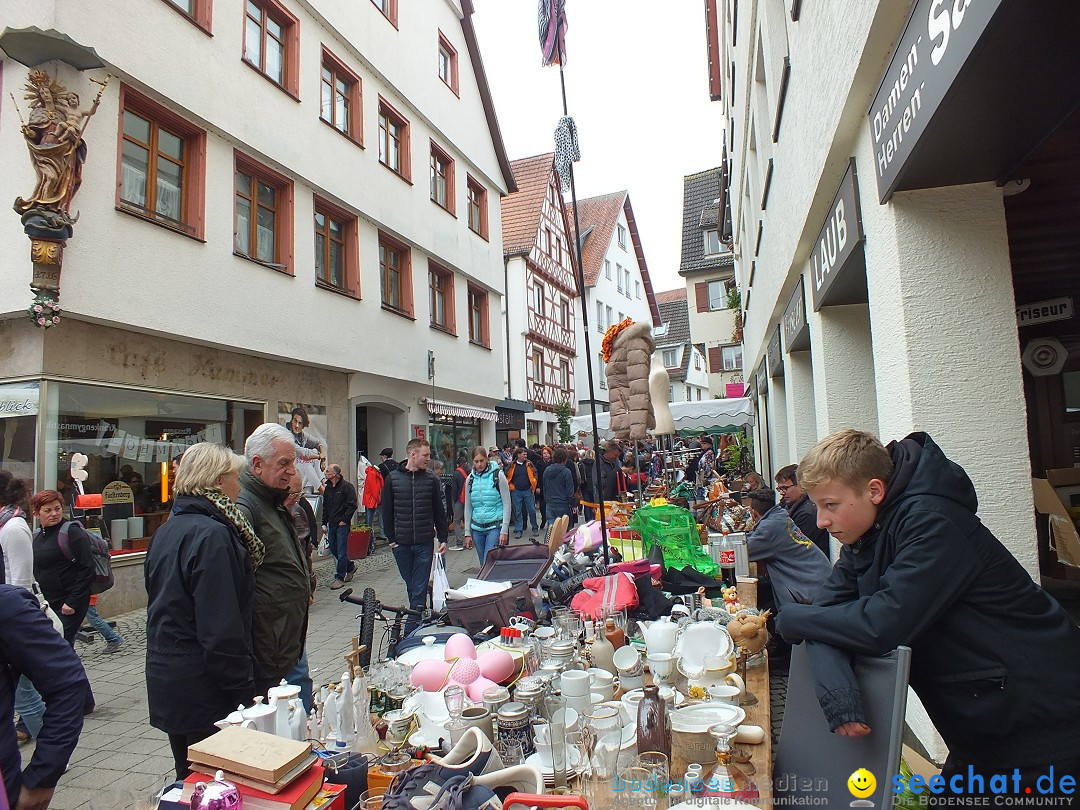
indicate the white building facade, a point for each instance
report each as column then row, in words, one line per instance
column 900, row 244
column 683, row 359
column 617, row 283
column 541, row 304
column 298, row 208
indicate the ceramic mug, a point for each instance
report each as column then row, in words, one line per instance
column 479, row 717
column 734, row 680
column 575, row 683
column 628, row 660
column 726, row 694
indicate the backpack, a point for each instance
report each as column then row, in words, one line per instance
column 103, row 573
column 464, row 476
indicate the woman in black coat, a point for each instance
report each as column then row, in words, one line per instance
column 200, row 584
column 63, row 561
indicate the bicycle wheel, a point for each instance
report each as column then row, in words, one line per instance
column 367, row 626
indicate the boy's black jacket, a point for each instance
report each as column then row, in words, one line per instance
column 994, row 657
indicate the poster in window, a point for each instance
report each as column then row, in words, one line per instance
column 131, row 446
column 308, row 425
column 146, row 450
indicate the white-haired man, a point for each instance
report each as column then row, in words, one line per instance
column 279, row 622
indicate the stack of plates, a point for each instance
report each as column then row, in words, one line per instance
column 572, row 771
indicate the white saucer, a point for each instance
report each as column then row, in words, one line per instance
column 573, row 756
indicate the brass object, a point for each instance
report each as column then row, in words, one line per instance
column 45, row 252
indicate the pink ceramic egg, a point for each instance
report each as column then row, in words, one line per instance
column 430, row 674
column 498, row 665
column 460, row 645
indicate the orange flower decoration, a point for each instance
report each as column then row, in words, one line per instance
column 607, row 347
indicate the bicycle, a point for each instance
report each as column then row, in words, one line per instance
column 393, row 638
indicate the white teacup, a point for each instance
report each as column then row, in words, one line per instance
column 734, row 680
column 575, row 683
column 627, row 660
column 725, row 693
column 661, row 665
column 631, row 682
column 601, row 678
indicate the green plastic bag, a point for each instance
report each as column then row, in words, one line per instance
column 675, row 531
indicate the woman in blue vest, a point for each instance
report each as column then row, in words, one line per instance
column 487, row 505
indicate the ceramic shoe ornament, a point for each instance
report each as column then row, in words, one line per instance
column 474, row 673
column 216, row 795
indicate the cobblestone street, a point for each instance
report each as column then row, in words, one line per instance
column 119, row 752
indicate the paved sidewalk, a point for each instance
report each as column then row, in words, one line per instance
column 119, row 752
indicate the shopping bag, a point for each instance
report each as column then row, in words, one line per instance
column 324, row 546
column 439, row 584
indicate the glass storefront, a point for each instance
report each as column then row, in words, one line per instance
column 450, row 435
column 19, row 404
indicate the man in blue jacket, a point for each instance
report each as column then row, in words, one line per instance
column 30, row 645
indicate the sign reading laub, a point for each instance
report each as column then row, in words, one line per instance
column 838, row 250
column 937, row 40
column 796, row 329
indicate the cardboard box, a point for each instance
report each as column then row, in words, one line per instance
column 1064, row 539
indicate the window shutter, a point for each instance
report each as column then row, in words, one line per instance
column 716, row 359
column 701, row 294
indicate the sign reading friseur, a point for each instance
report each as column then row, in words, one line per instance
column 937, row 40
column 837, row 264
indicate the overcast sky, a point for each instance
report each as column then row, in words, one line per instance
column 637, row 88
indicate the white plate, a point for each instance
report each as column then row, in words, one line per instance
column 701, row 639
column 697, row 719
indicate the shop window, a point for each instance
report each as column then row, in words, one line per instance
column 263, row 215
column 162, row 165
column 337, row 261
column 340, row 98
column 388, row 9
column 448, row 63
column 19, row 406
column 478, row 316
column 272, row 42
column 130, row 436
column 441, row 297
column 478, row 219
column 395, row 272
column 393, row 140
column 196, row 11
column 442, row 178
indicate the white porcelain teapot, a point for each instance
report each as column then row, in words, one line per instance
column 660, row 635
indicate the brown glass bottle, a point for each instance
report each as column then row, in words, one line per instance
column 614, row 633
column 653, row 722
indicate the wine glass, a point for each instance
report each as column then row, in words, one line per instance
column 454, row 697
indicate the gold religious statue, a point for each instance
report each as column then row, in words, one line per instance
column 54, row 136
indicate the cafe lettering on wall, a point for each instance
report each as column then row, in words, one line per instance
column 939, row 37
column 837, row 261
column 774, row 355
column 796, row 329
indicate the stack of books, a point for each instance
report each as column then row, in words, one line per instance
column 271, row 772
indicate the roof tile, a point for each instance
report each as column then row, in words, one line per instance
column 598, row 217
column 521, row 210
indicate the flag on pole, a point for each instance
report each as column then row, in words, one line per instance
column 553, row 31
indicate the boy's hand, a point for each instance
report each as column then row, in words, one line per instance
column 853, row 730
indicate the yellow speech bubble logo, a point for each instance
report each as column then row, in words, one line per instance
column 861, row 783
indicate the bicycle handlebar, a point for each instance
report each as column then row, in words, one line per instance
column 346, row 596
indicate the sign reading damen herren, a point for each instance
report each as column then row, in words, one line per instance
column 938, row 39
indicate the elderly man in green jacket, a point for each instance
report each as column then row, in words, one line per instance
column 279, row 623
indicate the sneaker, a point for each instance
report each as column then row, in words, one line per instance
column 517, row 535
column 22, row 736
column 336, row 585
column 113, row 646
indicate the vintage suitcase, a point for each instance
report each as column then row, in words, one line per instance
column 477, row 613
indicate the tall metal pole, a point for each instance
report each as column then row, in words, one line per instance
column 598, row 476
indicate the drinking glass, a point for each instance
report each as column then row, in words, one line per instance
column 511, row 752
column 638, row 786
column 657, row 764
column 603, row 720
column 371, row 799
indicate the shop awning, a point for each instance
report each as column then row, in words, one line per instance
column 707, row 416
column 438, row 407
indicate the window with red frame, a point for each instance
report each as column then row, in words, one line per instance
column 271, row 40
column 263, row 215
column 448, row 63
column 441, row 297
column 337, row 261
column 442, row 178
column 340, row 97
column 478, row 221
column 393, row 140
column 478, row 316
column 388, row 9
column 395, row 275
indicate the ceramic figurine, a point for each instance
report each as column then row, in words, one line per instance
column 348, row 715
column 367, row 741
column 297, row 720
column 332, row 716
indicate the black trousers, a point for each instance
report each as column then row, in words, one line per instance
column 179, row 744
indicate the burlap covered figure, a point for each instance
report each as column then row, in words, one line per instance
column 628, row 349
